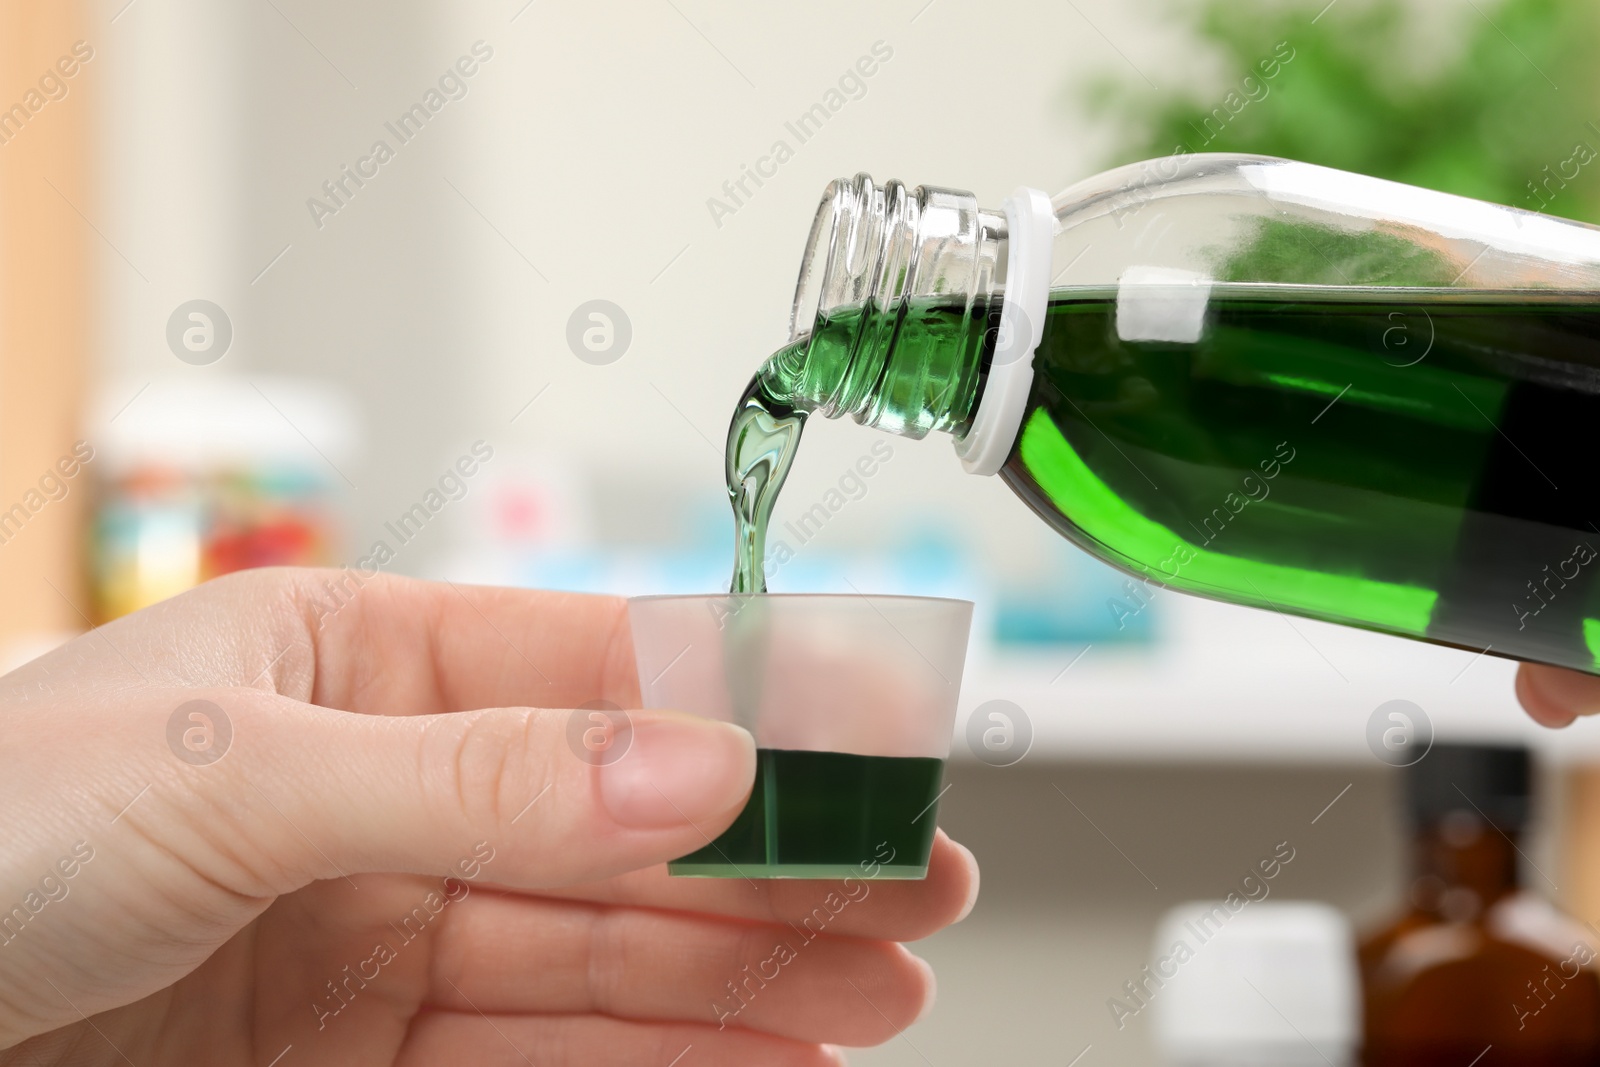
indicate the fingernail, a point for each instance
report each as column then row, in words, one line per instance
column 678, row 769
column 836, row 1054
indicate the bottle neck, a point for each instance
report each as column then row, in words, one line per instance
column 897, row 310
column 1462, row 866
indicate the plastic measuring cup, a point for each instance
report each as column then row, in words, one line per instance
column 852, row 701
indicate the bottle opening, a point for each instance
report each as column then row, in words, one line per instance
column 891, row 321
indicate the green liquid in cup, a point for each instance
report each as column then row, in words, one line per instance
column 828, row 815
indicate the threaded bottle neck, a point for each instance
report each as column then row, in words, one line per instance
column 897, row 308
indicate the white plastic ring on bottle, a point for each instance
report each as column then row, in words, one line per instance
column 1030, row 226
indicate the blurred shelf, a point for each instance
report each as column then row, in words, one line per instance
column 1229, row 684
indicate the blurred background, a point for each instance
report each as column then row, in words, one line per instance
column 278, row 274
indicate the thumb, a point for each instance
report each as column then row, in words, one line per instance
column 419, row 794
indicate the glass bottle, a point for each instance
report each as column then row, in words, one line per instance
column 1251, row 379
column 1478, row 969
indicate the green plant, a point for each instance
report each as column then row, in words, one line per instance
column 1511, row 114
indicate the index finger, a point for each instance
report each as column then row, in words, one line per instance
column 412, row 647
column 381, row 644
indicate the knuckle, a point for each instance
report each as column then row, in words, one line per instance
column 607, row 960
column 256, row 583
column 483, row 761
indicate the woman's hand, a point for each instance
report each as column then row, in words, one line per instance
column 263, row 824
column 1555, row 697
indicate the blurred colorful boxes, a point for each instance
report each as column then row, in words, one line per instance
column 201, row 477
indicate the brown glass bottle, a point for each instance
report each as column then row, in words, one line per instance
column 1478, row 971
